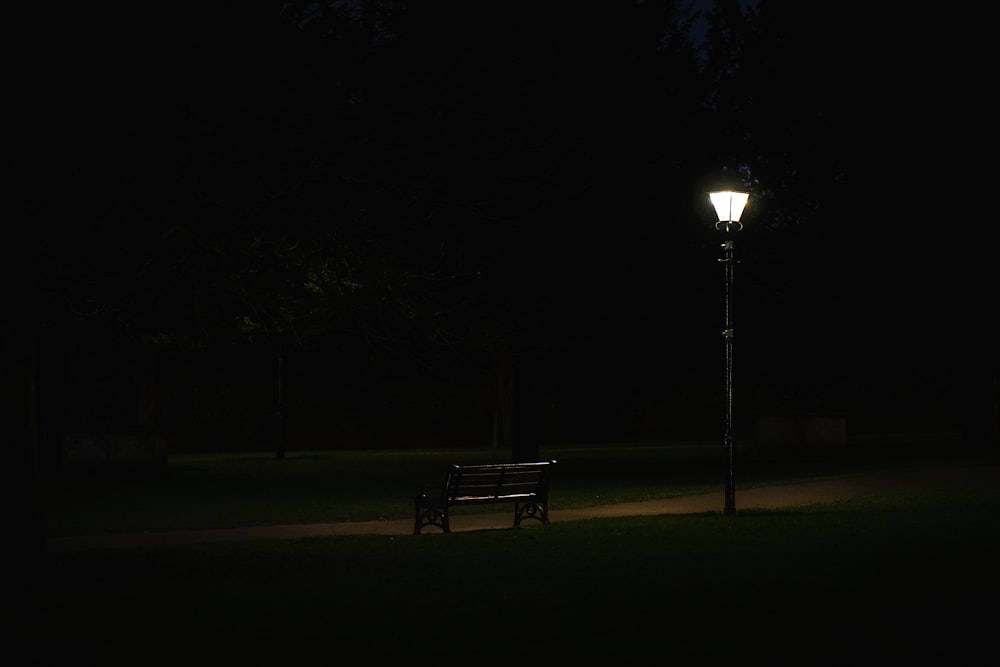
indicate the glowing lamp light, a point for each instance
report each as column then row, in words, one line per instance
column 729, row 207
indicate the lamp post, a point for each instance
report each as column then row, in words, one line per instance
column 729, row 207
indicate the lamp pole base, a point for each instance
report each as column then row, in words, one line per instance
column 730, row 508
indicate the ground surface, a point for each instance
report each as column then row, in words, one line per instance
column 771, row 497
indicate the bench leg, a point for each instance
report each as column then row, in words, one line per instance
column 431, row 516
column 530, row 511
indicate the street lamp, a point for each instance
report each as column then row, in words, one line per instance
column 729, row 207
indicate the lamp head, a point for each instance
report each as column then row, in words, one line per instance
column 729, row 207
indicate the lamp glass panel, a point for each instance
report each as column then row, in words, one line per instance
column 729, row 205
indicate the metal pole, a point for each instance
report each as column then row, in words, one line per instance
column 729, row 264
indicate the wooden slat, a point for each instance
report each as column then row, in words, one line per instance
column 494, row 482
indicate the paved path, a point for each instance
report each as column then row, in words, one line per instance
column 771, row 497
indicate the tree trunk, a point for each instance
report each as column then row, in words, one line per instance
column 515, row 422
column 504, row 419
column 979, row 400
column 525, row 440
column 280, row 408
column 20, row 482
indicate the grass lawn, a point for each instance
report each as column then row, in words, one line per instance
column 894, row 578
column 234, row 490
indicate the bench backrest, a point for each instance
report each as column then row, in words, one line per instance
column 498, row 481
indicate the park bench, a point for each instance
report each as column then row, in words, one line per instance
column 525, row 485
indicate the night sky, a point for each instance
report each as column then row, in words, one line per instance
column 397, row 195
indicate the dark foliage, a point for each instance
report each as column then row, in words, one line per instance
column 432, row 204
